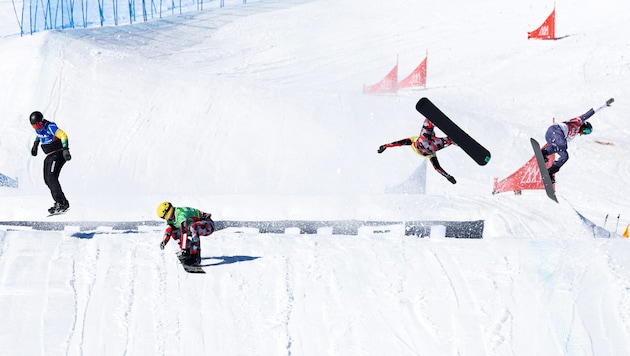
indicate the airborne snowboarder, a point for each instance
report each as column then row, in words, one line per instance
column 426, row 144
column 560, row 134
column 54, row 142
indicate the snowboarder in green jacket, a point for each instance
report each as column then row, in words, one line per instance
column 185, row 225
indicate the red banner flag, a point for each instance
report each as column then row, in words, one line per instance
column 417, row 78
column 546, row 31
column 525, row 178
column 389, row 84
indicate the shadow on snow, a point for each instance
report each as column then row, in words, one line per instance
column 225, row 260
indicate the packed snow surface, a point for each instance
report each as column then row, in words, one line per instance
column 255, row 112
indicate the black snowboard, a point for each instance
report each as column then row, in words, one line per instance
column 193, row 269
column 544, row 173
column 476, row 151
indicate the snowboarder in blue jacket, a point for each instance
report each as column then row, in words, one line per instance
column 560, row 134
column 54, row 142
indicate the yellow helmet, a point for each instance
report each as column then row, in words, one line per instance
column 165, row 210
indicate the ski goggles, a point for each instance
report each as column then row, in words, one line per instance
column 586, row 131
column 38, row 125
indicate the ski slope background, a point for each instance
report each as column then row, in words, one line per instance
column 256, row 112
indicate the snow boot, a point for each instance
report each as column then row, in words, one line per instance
column 544, row 154
column 58, row 208
column 183, row 256
column 552, row 173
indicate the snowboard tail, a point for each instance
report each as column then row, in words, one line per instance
column 472, row 148
column 544, row 173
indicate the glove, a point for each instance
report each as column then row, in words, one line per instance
column 381, row 149
column 162, row 244
column 66, row 154
column 34, row 149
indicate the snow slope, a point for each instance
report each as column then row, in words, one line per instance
column 255, row 112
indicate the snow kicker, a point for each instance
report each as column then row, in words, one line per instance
column 454, row 229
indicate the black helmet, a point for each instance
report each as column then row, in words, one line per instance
column 36, row 117
column 586, row 128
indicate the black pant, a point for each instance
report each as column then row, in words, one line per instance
column 52, row 168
